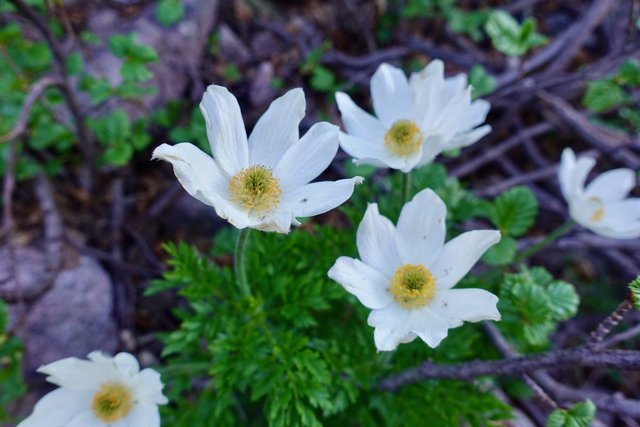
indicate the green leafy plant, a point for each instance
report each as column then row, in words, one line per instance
column 532, row 304
column 511, row 37
column 168, row 12
column 10, row 366
column 579, row 415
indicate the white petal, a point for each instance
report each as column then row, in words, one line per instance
column 375, row 239
column 277, row 129
column 429, row 326
column 573, row 173
column 373, row 152
column 456, row 84
column 127, row 363
column 318, row 197
column 73, row 373
column 197, row 172
column 144, row 416
column 468, row 305
column 477, row 113
column 565, row 172
column 421, row 229
column 225, row 129
column 365, row 282
column 58, row 407
column 357, row 122
column 450, row 122
column 430, row 93
column 147, row 387
column 392, row 97
column 85, row 419
column 397, row 323
column 307, row 158
column 432, row 146
column 612, row 185
column 279, row 222
column 460, row 254
column 462, row 140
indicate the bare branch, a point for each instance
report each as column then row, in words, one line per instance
column 34, row 93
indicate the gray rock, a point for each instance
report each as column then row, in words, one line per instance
column 72, row 318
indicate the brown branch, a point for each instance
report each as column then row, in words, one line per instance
column 84, row 136
column 584, row 357
column 34, row 93
column 611, row 321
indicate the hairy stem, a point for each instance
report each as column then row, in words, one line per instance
column 406, row 187
column 611, row 321
column 550, row 238
column 239, row 261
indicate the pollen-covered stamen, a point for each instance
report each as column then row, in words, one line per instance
column 403, row 138
column 413, row 286
column 598, row 214
column 255, row 189
column 112, row 402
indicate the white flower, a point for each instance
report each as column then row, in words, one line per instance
column 262, row 182
column 602, row 206
column 102, row 391
column 416, row 119
column 405, row 274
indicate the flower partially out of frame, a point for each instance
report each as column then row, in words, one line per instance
column 602, row 206
column 263, row 181
column 100, row 392
column 406, row 274
column 416, row 119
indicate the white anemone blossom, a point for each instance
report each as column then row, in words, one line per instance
column 416, row 119
column 262, row 182
column 602, row 206
column 405, row 274
column 100, row 392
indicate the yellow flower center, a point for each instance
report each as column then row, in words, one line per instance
column 255, row 189
column 403, row 138
column 413, row 286
column 112, row 402
column 599, row 212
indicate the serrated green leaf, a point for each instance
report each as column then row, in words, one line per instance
column 501, row 253
column 142, row 53
column 564, row 300
column 602, row 95
column 482, row 82
column 629, row 73
column 322, row 79
column 532, row 302
column 118, row 155
column 112, row 129
column 580, row 415
column 74, row 63
column 510, row 37
column 134, row 70
column 119, row 44
column 514, row 211
column 168, row 12
column 538, row 335
column 4, row 317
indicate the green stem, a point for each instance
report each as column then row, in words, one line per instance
column 551, row 237
column 406, row 187
column 239, row 263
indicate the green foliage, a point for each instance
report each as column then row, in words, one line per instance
column 514, row 211
column 510, row 37
column 135, row 57
column 10, row 366
column 502, row 253
column 532, row 304
column 579, row 415
column 299, row 352
column 168, row 12
column 634, row 287
column 321, row 78
column 602, row 95
column 482, row 82
column 612, row 98
column 120, row 137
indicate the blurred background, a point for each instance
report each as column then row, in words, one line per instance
column 89, row 88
